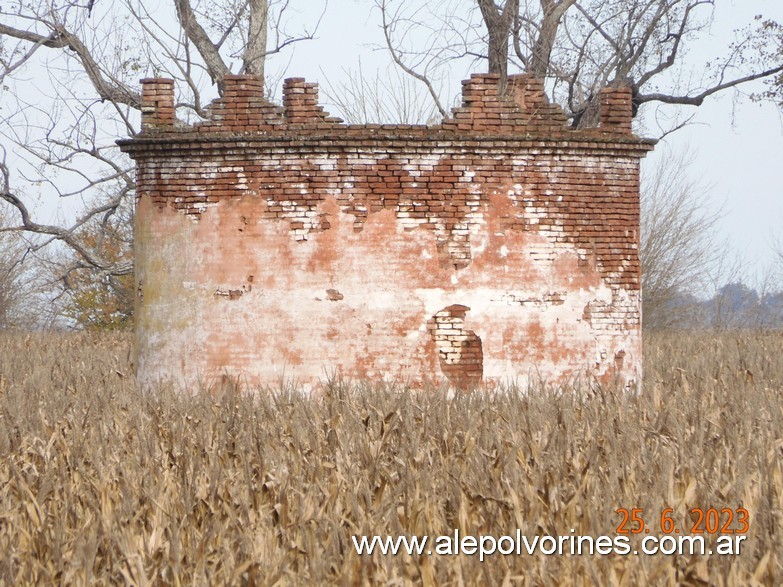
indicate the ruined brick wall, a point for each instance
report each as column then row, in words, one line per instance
column 276, row 243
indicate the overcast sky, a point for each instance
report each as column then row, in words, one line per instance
column 738, row 149
column 737, row 145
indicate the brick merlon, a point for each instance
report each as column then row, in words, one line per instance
column 157, row 103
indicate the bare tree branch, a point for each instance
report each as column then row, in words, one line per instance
column 53, row 41
column 541, row 53
column 580, row 46
column 60, row 38
column 208, row 50
column 63, row 138
column 698, row 99
column 387, row 32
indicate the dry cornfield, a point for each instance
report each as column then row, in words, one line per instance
column 100, row 484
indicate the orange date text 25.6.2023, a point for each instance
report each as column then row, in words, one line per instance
column 709, row 521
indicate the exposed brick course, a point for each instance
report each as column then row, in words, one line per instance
column 278, row 242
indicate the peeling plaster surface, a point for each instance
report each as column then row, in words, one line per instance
column 263, row 286
column 276, row 244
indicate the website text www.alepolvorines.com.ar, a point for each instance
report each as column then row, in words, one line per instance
column 520, row 544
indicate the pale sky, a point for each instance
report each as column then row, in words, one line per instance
column 738, row 148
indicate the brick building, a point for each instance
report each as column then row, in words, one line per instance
column 276, row 243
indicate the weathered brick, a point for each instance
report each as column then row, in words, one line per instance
column 497, row 246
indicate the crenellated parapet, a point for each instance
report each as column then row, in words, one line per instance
column 521, row 110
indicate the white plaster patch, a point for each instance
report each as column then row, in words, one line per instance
column 325, row 164
column 413, row 170
column 479, row 245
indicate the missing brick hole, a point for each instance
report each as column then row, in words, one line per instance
column 233, row 294
column 619, row 359
column 460, row 351
column 333, row 295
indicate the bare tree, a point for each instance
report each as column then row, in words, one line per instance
column 69, row 73
column 770, row 42
column 581, row 46
column 387, row 97
column 680, row 253
column 20, row 282
column 11, row 290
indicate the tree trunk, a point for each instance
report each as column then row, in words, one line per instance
column 499, row 24
column 545, row 42
column 198, row 36
column 498, row 54
column 255, row 51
